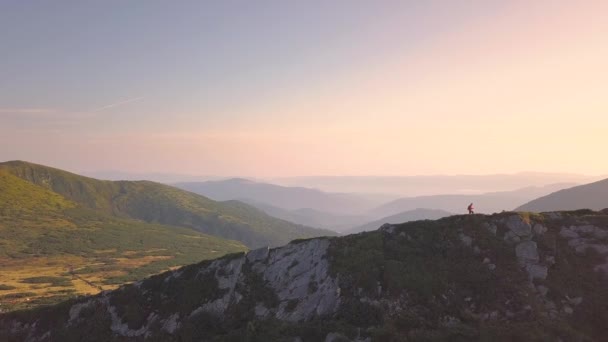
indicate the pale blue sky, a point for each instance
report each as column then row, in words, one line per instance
column 215, row 86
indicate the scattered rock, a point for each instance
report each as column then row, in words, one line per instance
column 601, row 249
column 388, row 228
column 261, row 310
column 511, row 237
column 579, row 242
column 587, row 229
column 602, row 267
column 171, row 324
column 575, row 301
column 491, row 227
column 518, row 226
column 536, row 271
column 526, row 252
column 336, row 337
column 600, row 234
column 567, row 233
column 449, row 322
column 466, row 240
column 259, row 254
column 539, row 229
column 543, row 290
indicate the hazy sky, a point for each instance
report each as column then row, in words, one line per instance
column 283, row 88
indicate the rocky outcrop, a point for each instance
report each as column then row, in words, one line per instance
column 504, row 277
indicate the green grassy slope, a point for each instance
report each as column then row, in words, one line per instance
column 163, row 204
column 52, row 248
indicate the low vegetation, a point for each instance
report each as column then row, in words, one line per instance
column 52, row 249
column 161, row 204
column 455, row 279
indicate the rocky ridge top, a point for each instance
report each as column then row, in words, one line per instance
column 501, row 277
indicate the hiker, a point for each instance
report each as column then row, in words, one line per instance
column 470, row 209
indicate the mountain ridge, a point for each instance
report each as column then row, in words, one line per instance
column 159, row 203
column 406, row 216
column 290, row 198
column 502, row 277
column 588, row 196
column 486, row 203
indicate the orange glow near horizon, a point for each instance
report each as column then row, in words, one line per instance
column 524, row 89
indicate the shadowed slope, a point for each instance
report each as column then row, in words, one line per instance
column 589, row 196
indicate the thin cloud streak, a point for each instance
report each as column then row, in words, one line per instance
column 117, row 104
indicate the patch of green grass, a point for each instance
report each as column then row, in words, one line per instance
column 18, row 295
column 37, row 224
column 53, row 281
column 4, row 287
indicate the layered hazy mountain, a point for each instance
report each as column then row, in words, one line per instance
column 457, row 203
column 290, row 198
column 343, row 212
column 588, row 196
column 505, row 277
column 163, row 204
column 406, row 216
column 410, row 186
column 311, row 217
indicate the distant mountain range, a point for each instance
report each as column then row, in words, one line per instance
column 411, row 186
column 484, row 203
column 589, row 196
column 290, row 198
column 311, row 217
column 406, row 216
column 343, row 212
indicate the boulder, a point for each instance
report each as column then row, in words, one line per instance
column 536, row 271
column 526, row 252
column 259, row 254
column 567, row 233
column 518, row 226
column 539, row 229
column 336, row 337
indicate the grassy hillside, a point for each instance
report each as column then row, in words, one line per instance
column 163, row 204
column 52, row 248
column 589, row 196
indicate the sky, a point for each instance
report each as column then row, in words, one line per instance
column 296, row 88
